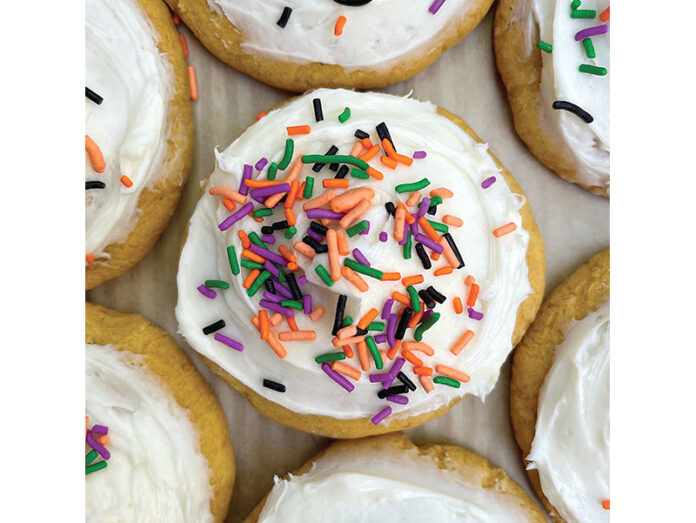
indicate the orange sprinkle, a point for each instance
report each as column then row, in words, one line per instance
column 346, row 332
column 348, row 351
column 469, row 280
column 297, row 336
column 412, row 280
column 473, row 294
column 452, row 221
column 293, row 266
column 89, row 258
column 258, row 219
column 427, row 384
column 371, row 152
column 392, row 351
column 434, row 256
column 605, row 502
column 387, row 162
column 292, row 194
column 442, row 193
column 350, row 199
column 226, row 192
column 326, row 222
column 391, row 276
column 263, row 321
column 416, row 317
column 354, row 278
column 304, row 249
column 96, row 158
column 338, row 28
column 411, row 357
column 176, row 19
column 423, row 371
column 276, row 319
column 253, row 256
column 363, row 356
column 246, row 242
column 406, row 160
column 286, row 253
column 401, row 298
column 389, row 149
column 229, row 204
column 192, row 82
column 317, row 313
column 452, row 373
column 377, row 175
column 250, row 278
column 343, row 248
column 387, row 354
column 399, row 219
column 604, row 16
column 504, row 229
column 103, row 439
column 413, row 199
column 184, row 45
column 366, row 143
column 259, row 116
column 443, row 271
column 299, row 129
column 300, row 193
column 347, row 370
column 449, row 253
column 428, row 229
column 356, row 150
column 291, row 323
column 255, row 184
column 409, row 217
column 419, row 346
column 335, row 183
column 347, row 341
column 368, row 318
column 462, row 342
column 355, row 213
column 334, row 261
column 290, row 217
column 320, row 200
column 126, row 181
column 273, row 199
column 457, row 303
column 272, row 340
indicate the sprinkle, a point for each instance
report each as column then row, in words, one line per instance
column 358, row 255
column 442, row 271
column 294, row 288
column 272, row 340
column 401, row 400
column 357, row 228
column 455, row 250
column 258, row 282
column 605, row 502
column 583, row 13
column 216, row 326
column 234, row 218
column 575, row 4
column 184, row 45
column 192, row 82
column 462, row 342
column 374, row 351
column 335, row 183
column 442, row 380
column 415, row 302
column 343, row 382
column 346, row 370
column 93, row 96
column 284, row 17
column 430, row 244
column 425, row 325
column 457, row 303
column 422, row 255
column 290, row 232
column 330, row 356
column 367, row 319
column 338, row 31
column 383, row 133
column 292, row 304
column 386, row 309
column 206, row 292
column 261, row 164
column 415, row 186
column 297, row 335
column 354, row 278
column 589, row 48
column 405, row 380
column 591, row 31
column 287, row 154
column 94, row 184
column 419, row 155
column 569, row 106
column 485, row 184
column 96, row 466
column 427, row 299
column 324, row 275
column 386, row 411
column 544, row 46
column 371, row 153
column 388, row 162
column 438, row 194
column 89, row 258
column 90, row 457
column 318, row 111
column 435, row 6
column 317, row 313
column 428, row 229
column 299, row 129
column 246, row 176
column 473, row 294
column 426, row 383
column 258, row 213
column 439, row 227
column 260, row 115
column 423, row 371
column 452, row 373
column 96, row 158
column 407, row 246
column 403, row 323
column 592, row 69
column 228, row 341
column 504, row 229
column 274, row 385
column 604, row 16
column 475, row 315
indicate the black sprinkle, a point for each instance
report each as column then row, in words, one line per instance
column 361, row 135
column 454, row 248
column 95, row 184
column 333, row 167
column 318, row 111
column 577, row 111
column 405, row 380
column 360, row 332
column 209, row 329
column 383, row 133
column 338, row 315
column 390, row 207
column 353, row 3
column 270, row 287
column 278, row 226
column 318, row 166
column 284, row 17
column 425, row 260
column 267, row 229
column 342, row 172
column 93, row 96
column 392, row 391
column 318, row 228
column 427, row 299
column 294, row 288
column 270, row 384
column 403, row 323
column 314, row 244
column 437, row 296
column 432, row 210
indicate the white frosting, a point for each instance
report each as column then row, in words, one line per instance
column 388, row 488
column 454, row 160
column 571, row 444
column 376, row 35
column 124, row 66
column 156, row 471
column 561, row 80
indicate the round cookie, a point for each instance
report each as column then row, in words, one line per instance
column 294, row 46
column 139, row 131
column 388, row 478
column 282, row 378
column 170, row 447
column 546, row 363
column 553, row 58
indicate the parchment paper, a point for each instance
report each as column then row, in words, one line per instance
column 574, row 223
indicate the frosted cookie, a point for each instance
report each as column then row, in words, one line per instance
column 388, row 478
column 553, row 57
column 157, row 443
column 357, row 263
column 138, row 131
column 559, row 396
column 303, row 44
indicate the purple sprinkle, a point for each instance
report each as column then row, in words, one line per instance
column 475, row 315
column 261, row 164
column 264, row 192
column 235, row 217
column 405, row 237
column 324, row 213
column 367, row 229
column 386, row 411
column 360, row 257
column 391, row 330
column 379, row 377
column 386, row 308
column 269, row 255
column 205, row 291
column 272, row 297
column 233, row 344
column 427, row 242
column 414, row 228
column 419, row 155
column 302, row 280
column 423, row 208
column 100, row 429
column 307, row 304
column 275, row 307
column 396, row 367
column 383, row 237
column 591, row 31
column 380, row 338
column 246, row 175
column 268, row 238
column 488, row 182
column 427, row 314
column 101, row 450
column 282, row 289
column 315, row 235
column 337, row 377
column 275, row 271
column 399, row 398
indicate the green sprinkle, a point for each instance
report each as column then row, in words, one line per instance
column 592, row 69
column 254, row 238
column 374, row 351
column 439, row 227
column 330, row 356
column 376, row 326
column 291, row 304
column 281, row 275
column 232, row 258
column 544, row 46
column 272, row 169
column 410, row 187
column 347, row 320
column 444, row 380
column 359, row 173
column 407, row 245
column 435, row 200
column 263, row 211
column 95, row 467
column 290, row 232
column 258, row 282
column 334, row 158
column 363, row 269
column 216, row 284
column 308, row 187
column 575, row 4
column 89, row 458
column 248, row 264
column 589, row 48
column 427, row 323
column 343, row 117
column 324, row 275
column 415, row 301
column 357, row 228
column 583, row 13
column 287, row 155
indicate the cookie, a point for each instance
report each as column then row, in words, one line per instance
column 139, row 131
column 553, row 58
column 559, row 396
column 388, row 478
column 305, row 44
column 389, row 277
column 168, row 456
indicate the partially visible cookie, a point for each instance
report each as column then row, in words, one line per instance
column 559, row 396
column 168, row 454
column 388, row 478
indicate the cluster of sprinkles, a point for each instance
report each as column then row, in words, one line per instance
column 336, row 215
column 96, row 438
column 585, row 37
